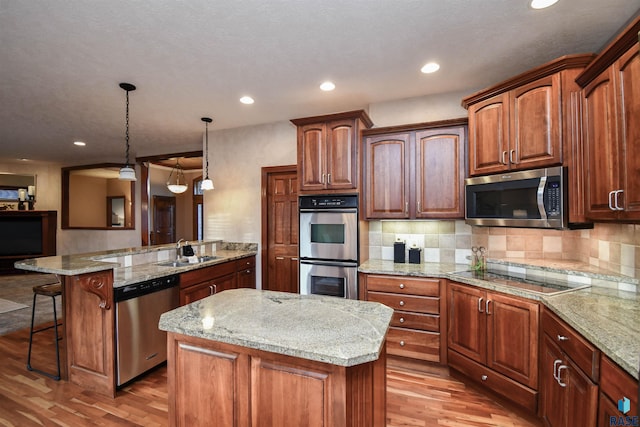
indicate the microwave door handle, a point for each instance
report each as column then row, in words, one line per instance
column 541, row 186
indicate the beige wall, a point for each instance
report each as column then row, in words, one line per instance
column 88, row 205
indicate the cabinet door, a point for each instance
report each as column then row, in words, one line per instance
column 387, row 181
column 284, row 275
column 601, row 146
column 225, row 282
column 489, row 135
column 628, row 76
column 467, row 322
column 582, row 396
column 535, row 124
column 553, row 399
column 196, row 292
column 341, row 152
column 247, row 278
column 311, row 156
column 440, row 173
column 512, row 333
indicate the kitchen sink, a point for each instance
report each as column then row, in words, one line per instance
column 184, row 262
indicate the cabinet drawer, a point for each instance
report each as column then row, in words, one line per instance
column 425, row 322
column 581, row 351
column 200, row 275
column 404, row 285
column 414, row 344
column 407, row 302
column 499, row 383
column 616, row 383
column 246, row 263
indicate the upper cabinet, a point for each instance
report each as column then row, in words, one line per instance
column 531, row 121
column 415, row 171
column 328, row 151
column 611, row 123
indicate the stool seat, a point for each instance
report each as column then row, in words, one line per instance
column 50, row 290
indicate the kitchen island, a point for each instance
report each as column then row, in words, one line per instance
column 88, row 283
column 248, row 357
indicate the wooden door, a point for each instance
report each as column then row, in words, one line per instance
column 467, row 322
column 601, row 146
column 311, row 157
column 489, row 135
column 512, row 337
column 280, row 220
column 439, row 173
column 582, row 396
column 628, row 83
column 553, row 399
column 387, row 176
column 341, row 151
column 536, row 127
column 164, row 220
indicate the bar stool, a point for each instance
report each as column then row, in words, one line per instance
column 51, row 290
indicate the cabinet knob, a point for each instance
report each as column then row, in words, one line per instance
column 402, row 320
column 401, row 285
column 484, row 378
column 562, row 338
column 401, row 303
column 401, row 343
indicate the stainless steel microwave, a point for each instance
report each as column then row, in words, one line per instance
column 533, row 198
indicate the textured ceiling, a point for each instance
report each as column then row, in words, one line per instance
column 61, row 62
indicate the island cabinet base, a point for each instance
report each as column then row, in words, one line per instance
column 223, row 385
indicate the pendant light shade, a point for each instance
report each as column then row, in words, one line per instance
column 127, row 173
column 179, row 184
column 207, row 183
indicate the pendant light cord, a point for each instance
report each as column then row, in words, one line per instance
column 206, row 146
column 127, row 130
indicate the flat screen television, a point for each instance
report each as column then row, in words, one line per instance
column 21, row 236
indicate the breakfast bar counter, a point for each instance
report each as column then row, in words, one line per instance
column 279, row 358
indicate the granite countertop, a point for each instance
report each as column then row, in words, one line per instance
column 320, row 328
column 608, row 318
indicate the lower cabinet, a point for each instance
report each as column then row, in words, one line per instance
column 203, row 282
column 227, row 385
column 569, row 370
column 618, row 400
column 416, row 325
column 493, row 339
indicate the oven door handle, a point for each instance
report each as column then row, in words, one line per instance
column 330, row 210
column 330, row 263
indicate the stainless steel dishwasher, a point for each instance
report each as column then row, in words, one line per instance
column 140, row 345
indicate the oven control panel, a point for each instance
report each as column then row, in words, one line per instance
column 328, row 202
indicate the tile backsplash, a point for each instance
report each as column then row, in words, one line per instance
column 613, row 247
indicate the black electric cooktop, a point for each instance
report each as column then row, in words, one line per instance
column 547, row 287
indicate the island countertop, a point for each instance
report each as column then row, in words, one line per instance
column 319, row 328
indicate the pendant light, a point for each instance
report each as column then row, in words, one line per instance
column 206, row 184
column 127, row 173
column 180, row 184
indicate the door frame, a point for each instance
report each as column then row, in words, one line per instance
column 266, row 172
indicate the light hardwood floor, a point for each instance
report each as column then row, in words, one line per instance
column 415, row 397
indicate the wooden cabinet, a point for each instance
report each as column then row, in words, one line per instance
column 493, row 338
column 229, row 385
column 417, row 321
column 203, row 282
column 612, row 130
column 532, row 120
column 568, row 369
column 616, row 386
column 328, row 151
column 415, row 171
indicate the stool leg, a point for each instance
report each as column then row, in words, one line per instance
column 55, row 324
column 33, row 316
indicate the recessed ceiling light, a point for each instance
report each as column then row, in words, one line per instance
column 541, row 4
column 430, row 67
column 247, row 100
column 327, row 86
column 79, row 143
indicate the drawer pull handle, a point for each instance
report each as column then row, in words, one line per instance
column 401, row 285
column 555, row 368
column 486, row 306
column 278, row 258
column 562, row 338
column 480, row 305
column 402, row 320
column 401, row 343
column 484, row 378
column 401, row 303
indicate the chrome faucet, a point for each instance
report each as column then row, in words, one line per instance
column 178, row 249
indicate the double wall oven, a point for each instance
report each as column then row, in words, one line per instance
column 329, row 245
